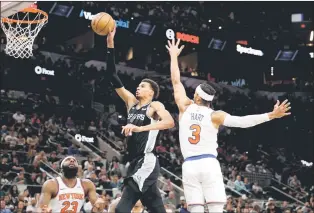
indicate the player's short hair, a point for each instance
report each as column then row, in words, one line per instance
column 153, row 85
column 208, row 90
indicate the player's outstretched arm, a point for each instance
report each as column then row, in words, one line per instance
column 48, row 189
column 126, row 95
column 180, row 97
column 223, row 118
column 90, row 190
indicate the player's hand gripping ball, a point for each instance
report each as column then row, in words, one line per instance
column 103, row 23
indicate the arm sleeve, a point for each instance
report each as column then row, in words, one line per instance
column 111, row 69
column 245, row 121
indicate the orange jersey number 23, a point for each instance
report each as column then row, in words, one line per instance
column 68, row 205
column 196, row 130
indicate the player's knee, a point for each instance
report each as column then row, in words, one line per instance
column 215, row 207
column 196, row 208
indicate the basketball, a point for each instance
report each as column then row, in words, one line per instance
column 103, row 23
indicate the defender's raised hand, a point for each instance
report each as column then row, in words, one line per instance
column 281, row 110
column 173, row 47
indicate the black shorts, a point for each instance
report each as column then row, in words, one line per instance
column 144, row 172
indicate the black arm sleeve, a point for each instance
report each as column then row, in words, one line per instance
column 111, row 69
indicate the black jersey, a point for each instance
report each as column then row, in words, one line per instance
column 140, row 143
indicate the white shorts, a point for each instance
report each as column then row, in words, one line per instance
column 203, row 181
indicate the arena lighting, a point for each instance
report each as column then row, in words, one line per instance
column 297, row 17
column 61, row 10
column 219, row 27
column 217, row 44
column 311, row 35
column 286, row 55
column 249, row 50
column 311, row 55
column 272, row 71
column 209, row 20
column 145, row 28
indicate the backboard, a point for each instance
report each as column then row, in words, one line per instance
column 9, row 8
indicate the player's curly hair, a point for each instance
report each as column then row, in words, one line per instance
column 154, row 86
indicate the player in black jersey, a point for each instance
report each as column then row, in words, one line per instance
column 145, row 118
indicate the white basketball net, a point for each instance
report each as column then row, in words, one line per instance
column 21, row 36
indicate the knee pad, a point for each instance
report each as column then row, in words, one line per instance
column 196, row 208
column 215, row 207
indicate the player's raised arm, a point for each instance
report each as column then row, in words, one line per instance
column 223, row 118
column 48, row 189
column 126, row 95
column 97, row 202
column 180, row 97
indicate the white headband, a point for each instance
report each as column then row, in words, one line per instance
column 203, row 94
column 62, row 162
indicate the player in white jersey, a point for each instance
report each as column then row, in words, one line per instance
column 198, row 129
column 67, row 193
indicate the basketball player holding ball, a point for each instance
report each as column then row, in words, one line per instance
column 198, row 130
column 145, row 118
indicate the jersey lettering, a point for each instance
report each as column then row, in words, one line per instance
column 196, row 131
column 196, row 117
column 71, row 196
column 136, row 117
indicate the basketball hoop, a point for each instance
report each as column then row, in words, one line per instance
column 22, row 31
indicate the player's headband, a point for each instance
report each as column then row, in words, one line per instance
column 62, row 162
column 203, row 94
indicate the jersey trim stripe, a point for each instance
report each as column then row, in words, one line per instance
column 151, row 140
column 146, row 169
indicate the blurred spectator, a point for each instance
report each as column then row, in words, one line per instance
column 239, row 185
column 18, row 117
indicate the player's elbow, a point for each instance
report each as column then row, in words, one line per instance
column 170, row 123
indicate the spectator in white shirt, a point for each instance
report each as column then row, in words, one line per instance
column 18, row 117
column 230, row 183
column 87, row 173
column 257, row 190
column 11, row 139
